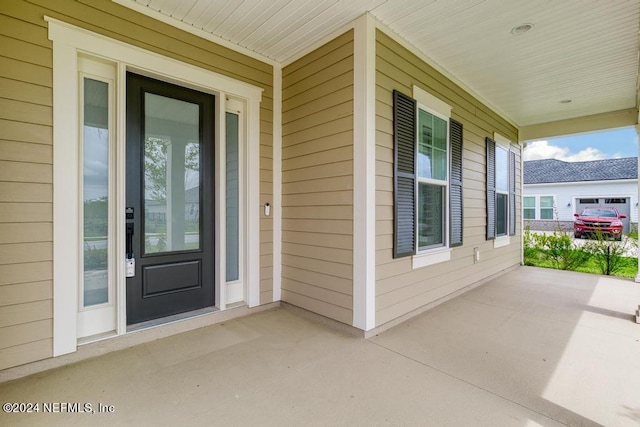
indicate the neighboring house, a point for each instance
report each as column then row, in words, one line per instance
column 554, row 190
column 355, row 180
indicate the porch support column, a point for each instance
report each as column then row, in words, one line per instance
column 637, row 200
column 364, row 174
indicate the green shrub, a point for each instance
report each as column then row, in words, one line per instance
column 607, row 255
column 561, row 251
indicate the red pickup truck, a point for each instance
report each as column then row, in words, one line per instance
column 605, row 220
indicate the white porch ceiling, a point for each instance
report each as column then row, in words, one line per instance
column 585, row 51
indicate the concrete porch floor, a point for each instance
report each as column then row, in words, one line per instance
column 532, row 347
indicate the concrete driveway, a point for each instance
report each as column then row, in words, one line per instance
column 531, row 347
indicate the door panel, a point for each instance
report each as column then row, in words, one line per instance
column 170, row 188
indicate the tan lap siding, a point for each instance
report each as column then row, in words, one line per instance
column 26, row 176
column 26, row 152
column 399, row 288
column 317, row 181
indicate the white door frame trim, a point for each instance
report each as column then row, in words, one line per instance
column 68, row 42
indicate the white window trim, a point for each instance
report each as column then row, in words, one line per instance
column 68, row 42
column 438, row 108
column 504, row 143
column 537, row 208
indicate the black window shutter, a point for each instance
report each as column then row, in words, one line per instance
column 512, row 193
column 404, row 176
column 491, row 189
column 455, row 185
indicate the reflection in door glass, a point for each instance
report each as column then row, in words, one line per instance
column 95, row 190
column 171, row 175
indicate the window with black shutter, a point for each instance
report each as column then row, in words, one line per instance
column 501, row 191
column 427, row 178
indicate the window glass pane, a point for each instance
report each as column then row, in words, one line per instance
column 432, row 146
column 529, row 213
column 95, row 190
column 233, row 206
column 502, row 169
column 171, row 175
column 546, row 213
column 501, row 214
column 431, row 213
column 529, row 202
column 546, row 201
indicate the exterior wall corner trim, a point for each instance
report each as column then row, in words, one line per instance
column 364, row 203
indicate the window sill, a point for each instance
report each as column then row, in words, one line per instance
column 501, row 241
column 431, row 257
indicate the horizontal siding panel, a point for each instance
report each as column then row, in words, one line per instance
column 25, row 333
column 26, row 212
column 26, row 172
column 323, row 75
column 29, row 73
column 340, row 168
column 324, row 281
column 26, row 232
column 330, row 226
column 341, row 82
column 344, row 124
column 26, row 292
column 343, row 271
column 26, row 31
column 339, row 183
column 26, row 52
column 337, row 241
column 26, row 152
column 384, row 227
column 328, row 157
column 318, row 293
column 384, row 183
column 11, row 315
column 266, row 296
column 26, row 92
column 344, row 139
column 333, row 198
column 316, row 306
column 318, row 212
column 25, row 252
column 25, row 273
column 340, row 256
column 26, row 353
column 308, row 110
column 26, row 132
column 384, row 169
column 384, row 198
column 328, row 115
column 384, row 241
column 384, row 154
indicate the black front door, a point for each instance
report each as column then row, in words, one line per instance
column 170, row 134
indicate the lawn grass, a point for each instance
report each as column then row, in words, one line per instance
column 628, row 266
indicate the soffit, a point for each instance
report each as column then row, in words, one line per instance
column 583, row 51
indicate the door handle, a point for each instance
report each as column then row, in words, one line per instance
column 129, row 240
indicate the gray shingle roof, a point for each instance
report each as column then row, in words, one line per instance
column 552, row 170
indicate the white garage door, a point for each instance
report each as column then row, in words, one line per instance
column 622, row 204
